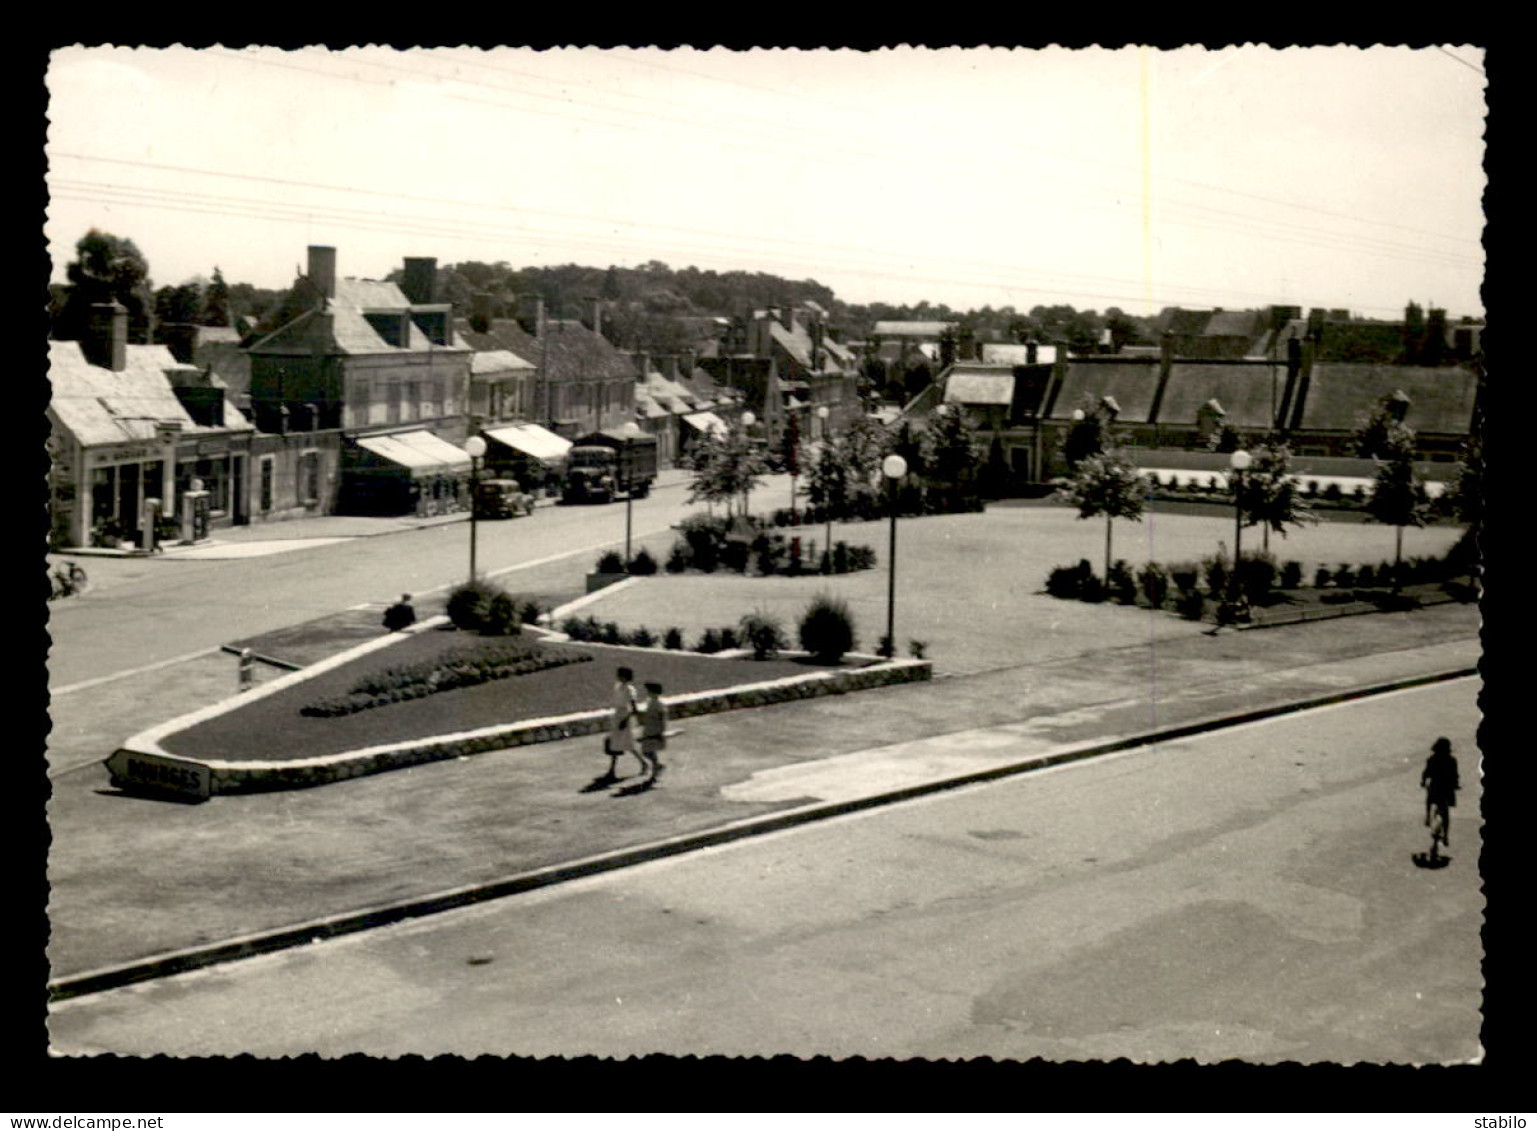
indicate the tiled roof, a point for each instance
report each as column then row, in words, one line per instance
column 980, row 385
column 896, row 329
column 497, row 361
column 340, row 327
column 1232, row 324
column 1131, row 383
column 1244, row 391
column 93, row 403
column 1440, row 399
column 370, row 294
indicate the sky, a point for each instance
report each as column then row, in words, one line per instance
column 1140, row 178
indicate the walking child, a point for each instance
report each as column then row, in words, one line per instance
column 653, row 728
column 620, row 739
column 1440, row 782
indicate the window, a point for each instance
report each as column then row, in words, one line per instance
column 309, row 477
column 266, row 483
column 392, row 403
column 414, row 407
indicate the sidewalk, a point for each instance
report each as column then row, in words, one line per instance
column 135, row 880
column 255, row 539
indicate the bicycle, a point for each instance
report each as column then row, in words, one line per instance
column 66, row 580
column 1438, row 817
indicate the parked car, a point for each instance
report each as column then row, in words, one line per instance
column 502, row 498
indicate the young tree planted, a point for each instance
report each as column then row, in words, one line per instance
column 1269, row 496
column 1397, row 497
column 1106, row 484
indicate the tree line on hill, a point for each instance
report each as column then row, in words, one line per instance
column 645, row 308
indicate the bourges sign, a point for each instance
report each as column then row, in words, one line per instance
column 139, row 771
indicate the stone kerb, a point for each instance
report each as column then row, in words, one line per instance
column 229, row 777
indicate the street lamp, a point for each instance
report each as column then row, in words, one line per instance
column 629, row 431
column 474, row 447
column 748, row 420
column 823, row 412
column 1239, row 461
column 893, row 467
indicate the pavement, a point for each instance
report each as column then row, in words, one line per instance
column 142, row 888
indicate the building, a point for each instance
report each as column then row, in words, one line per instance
column 380, row 366
column 130, row 424
column 783, row 360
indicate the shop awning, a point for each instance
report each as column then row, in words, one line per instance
column 707, row 422
column 532, row 440
column 421, row 452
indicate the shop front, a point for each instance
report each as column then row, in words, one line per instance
column 404, row 473
column 532, row 455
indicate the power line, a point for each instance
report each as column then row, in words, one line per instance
column 383, row 222
column 842, row 151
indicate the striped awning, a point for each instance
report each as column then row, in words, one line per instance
column 421, row 452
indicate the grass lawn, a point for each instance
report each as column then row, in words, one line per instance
column 971, row 586
column 271, row 728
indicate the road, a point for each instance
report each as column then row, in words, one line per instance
column 1249, row 894
column 138, row 613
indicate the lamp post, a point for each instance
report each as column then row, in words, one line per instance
column 748, row 420
column 1239, row 462
column 474, row 447
column 893, row 467
column 630, row 431
column 827, row 510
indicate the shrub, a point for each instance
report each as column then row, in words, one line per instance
column 918, row 649
column 1190, row 604
column 709, row 643
column 468, row 604
column 1257, row 576
column 643, row 637
column 678, row 560
column 1154, row 583
column 1322, row 578
column 673, row 639
column 1185, row 576
column 1291, row 575
column 572, row 627
column 840, row 557
column 1310, row 489
column 1332, row 493
column 1367, row 577
column 1094, row 589
column 734, row 555
column 1345, row 577
column 610, row 633
column 797, row 563
column 643, row 564
column 530, row 611
column 1214, row 570
column 591, row 629
column 609, row 562
column 885, row 647
column 1358, row 492
column 729, row 640
column 861, row 557
column 501, row 616
column 772, row 553
column 1068, row 581
column 827, row 629
column 1121, row 584
column 764, row 634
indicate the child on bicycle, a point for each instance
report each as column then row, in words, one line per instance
column 1440, row 782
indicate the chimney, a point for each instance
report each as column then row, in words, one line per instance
column 106, row 336
column 482, row 311
column 594, row 319
column 531, row 314
column 787, row 316
column 322, row 269
column 1032, row 352
column 419, row 281
column 1316, row 318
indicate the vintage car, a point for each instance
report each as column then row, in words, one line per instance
column 502, row 498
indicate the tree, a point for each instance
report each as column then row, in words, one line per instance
column 1268, row 495
column 726, row 468
column 865, row 443
column 106, row 268
column 1226, row 439
column 951, row 449
column 827, row 479
column 217, row 310
column 1106, row 484
column 1397, row 497
column 179, row 304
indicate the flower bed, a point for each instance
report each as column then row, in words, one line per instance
column 272, row 727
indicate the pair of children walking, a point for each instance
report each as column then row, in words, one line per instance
column 648, row 714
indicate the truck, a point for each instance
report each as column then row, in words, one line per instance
column 603, row 465
column 502, row 498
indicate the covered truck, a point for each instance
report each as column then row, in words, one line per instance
column 602, row 466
